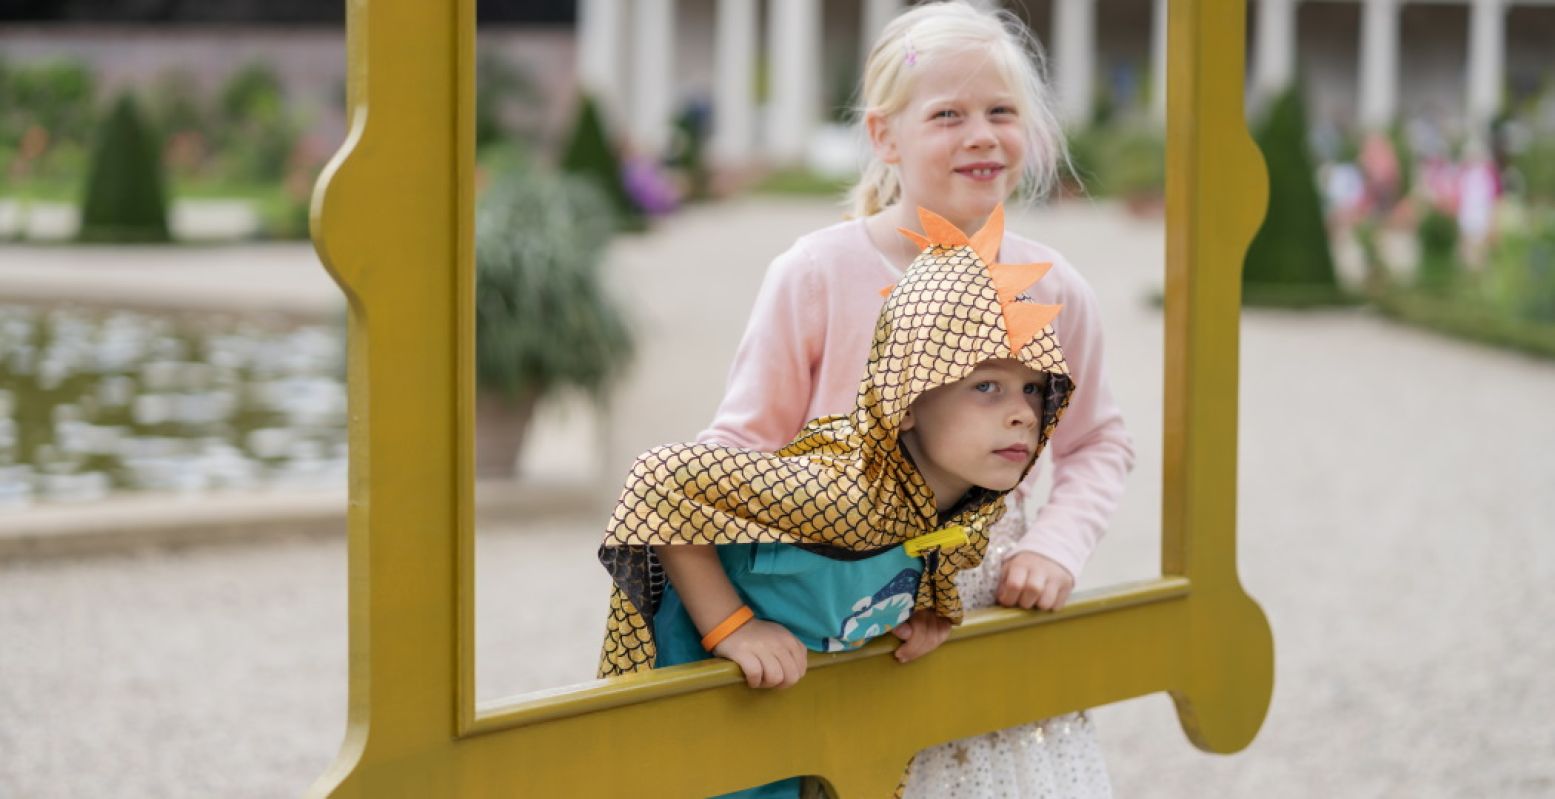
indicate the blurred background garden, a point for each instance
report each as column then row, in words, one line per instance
column 167, row 123
column 175, row 124
column 172, row 355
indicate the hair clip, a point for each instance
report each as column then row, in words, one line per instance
column 912, row 53
column 947, row 538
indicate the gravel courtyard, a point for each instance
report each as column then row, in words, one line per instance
column 1395, row 506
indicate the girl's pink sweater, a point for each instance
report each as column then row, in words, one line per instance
column 807, row 344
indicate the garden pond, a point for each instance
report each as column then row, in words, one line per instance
column 97, row 401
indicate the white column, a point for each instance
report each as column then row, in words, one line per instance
column 795, row 57
column 1275, row 52
column 1074, row 58
column 1487, row 60
column 1379, row 63
column 876, row 14
column 653, row 59
column 599, row 41
column 1158, row 24
column 734, row 97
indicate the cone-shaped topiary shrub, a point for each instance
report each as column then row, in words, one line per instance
column 591, row 155
column 1438, row 240
column 124, row 199
column 1289, row 262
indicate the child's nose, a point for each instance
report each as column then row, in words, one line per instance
column 1023, row 415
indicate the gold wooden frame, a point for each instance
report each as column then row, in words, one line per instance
column 392, row 221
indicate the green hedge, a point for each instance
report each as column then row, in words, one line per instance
column 1509, row 302
column 1468, row 320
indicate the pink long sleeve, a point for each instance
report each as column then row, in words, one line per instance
column 807, row 344
column 769, row 387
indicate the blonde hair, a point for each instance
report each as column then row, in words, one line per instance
column 912, row 42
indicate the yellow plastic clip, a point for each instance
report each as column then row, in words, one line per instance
column 950, row 537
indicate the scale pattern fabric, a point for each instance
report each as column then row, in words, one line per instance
column 844, row 483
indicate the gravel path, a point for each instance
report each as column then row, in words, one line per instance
column 1395, row 509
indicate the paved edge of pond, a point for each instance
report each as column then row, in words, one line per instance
column 266, row 278
column 134, row 522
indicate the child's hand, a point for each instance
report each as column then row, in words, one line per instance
column 1031, row 580
column 923, row 631
column 767, row 652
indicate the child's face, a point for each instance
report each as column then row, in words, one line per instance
column 979, row 431
column 959, row 143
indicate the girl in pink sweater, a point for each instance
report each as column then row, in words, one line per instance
column 958, row 120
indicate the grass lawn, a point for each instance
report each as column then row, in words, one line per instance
column 279, row 214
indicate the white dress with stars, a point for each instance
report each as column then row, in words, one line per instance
column 1057, row 758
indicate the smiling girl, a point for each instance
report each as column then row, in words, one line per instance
column 958, row 120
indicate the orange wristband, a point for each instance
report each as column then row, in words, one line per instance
column 727, row 627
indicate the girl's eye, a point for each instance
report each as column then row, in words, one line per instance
column 984, row 387
column 1004, row 109
column 1033, row 388
column 945, row 113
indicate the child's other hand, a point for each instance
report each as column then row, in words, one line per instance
column 922, row 632
column 767, row 652
column 1031, row 580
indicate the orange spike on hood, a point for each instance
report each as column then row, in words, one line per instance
column 1025, row 320
column 940, row 230
column 1012, row 279
column 986, row 242
column 916, row 238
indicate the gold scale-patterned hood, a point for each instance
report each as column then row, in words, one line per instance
column 844, row 484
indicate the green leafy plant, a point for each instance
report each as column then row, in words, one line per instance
column 544, row 317
column 1377, row 278
column 498, row 85
column 180, row 113
column 1535, row 163
column 689, row 149
column 47, row 114
column 57, row 95
column 1118, row 160
column 1139, row 164
column 257, row 130
column 125, row 200
column 1521, row 274
column 1406, row 158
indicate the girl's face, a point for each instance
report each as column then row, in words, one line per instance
column 959, row 143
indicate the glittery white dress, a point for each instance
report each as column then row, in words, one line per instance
column 1056, row 758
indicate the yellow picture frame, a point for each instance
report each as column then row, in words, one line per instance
column 393, row 223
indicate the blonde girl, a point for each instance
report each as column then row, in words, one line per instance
column 958, row 120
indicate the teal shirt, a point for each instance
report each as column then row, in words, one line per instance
column 829, row 605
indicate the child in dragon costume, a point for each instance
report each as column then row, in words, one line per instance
column 862, row 520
